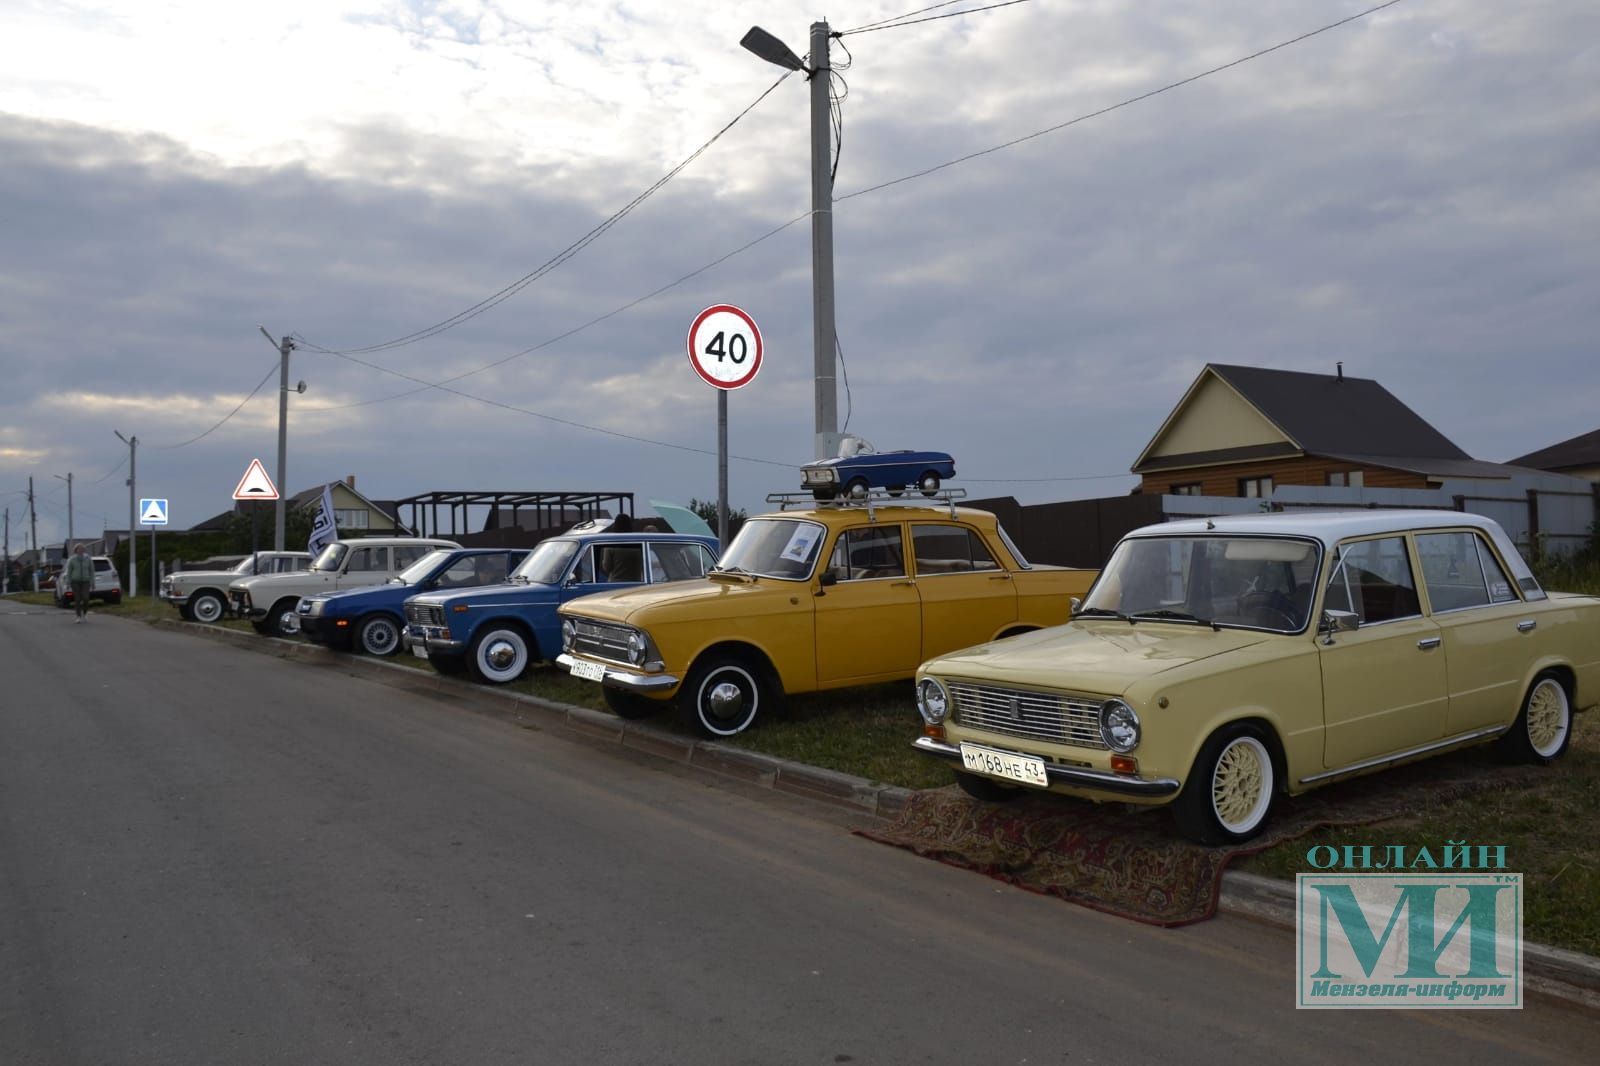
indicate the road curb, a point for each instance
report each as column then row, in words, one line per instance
column 1565, row 975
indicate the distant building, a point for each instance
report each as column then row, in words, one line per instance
column 353, row 513
column 1578, row 456
column 1245, row 431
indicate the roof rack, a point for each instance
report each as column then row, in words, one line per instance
column 874, row 499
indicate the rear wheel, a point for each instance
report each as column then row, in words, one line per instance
column 1230, row 788
column 204, row 607
column 928, row 483
column 1543, row 728
column 499, row 654
column 724, row 694
column 378, row 634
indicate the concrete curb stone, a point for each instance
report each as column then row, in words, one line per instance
column 1567, row 975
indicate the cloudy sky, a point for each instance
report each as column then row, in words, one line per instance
column 1416, row 193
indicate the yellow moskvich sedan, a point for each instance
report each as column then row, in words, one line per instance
column 825, row 596
column 1218, row 663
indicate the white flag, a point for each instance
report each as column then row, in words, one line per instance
column 322, row 530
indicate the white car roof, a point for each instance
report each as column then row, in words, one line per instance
column 1330, row 527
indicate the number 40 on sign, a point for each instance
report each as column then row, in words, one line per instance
column 725, row 347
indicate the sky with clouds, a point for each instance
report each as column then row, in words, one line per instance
column 1416, row 193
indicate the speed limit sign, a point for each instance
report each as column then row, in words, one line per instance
column 725, row 347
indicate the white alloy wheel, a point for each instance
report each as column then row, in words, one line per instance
column 1241, row 785
column 378, row 635
column 205, row 607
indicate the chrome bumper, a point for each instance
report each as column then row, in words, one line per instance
column 628, row 679
column 1072, row 776
column 432, row 638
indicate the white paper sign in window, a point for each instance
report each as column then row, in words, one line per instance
column 801, row 544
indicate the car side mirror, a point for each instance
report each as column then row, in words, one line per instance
column 828, row 579
column 1076, row 603
column 1338, row 622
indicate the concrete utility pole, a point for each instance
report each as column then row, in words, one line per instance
column 285, row 346
column 5, row 573
column 67, row 549
column 33, row 534
column 823, row 331
column 133, row 511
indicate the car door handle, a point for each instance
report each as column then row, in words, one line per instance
column 999, row 577
column 1429, row 643
column 902, row 584
column 1527, row 625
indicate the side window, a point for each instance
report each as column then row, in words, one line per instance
column 1452, row 570
column 677, row 562
column 1501, row 589
column 863, row 554
column 950, row 550
column 491, row 569
column 366, row 560
column 583, row 573
column 621, row 562
column 707, row 559
column 406, row 554
column 461, row 573
column 1373, row 578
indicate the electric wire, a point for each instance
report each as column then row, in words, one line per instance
column 122, row 463
column 1125, row 103
column 560, row 257
column 897, row 18
column 895, row 24
column 181, row 444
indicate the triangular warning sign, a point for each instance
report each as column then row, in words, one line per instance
column 155, row 513
column 255, row 485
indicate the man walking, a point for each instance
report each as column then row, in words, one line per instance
column 80, row 575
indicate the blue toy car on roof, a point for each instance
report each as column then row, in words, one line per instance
column 497, row 632
column 853, row 475
column 372, row 619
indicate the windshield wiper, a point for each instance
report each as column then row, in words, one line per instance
column 1103, row 612
column 1169, row 614
column 731, row 571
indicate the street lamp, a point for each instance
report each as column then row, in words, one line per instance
column 67, row 548
column 769, row 48
column 133, row 512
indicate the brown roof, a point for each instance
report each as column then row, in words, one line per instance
column 1582, row 450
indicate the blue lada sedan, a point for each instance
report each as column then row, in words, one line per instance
column 495, row 633
column 372, row 619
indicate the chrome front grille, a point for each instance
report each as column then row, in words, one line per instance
column 425, row 614
column 1045, row 716
column 601, row 640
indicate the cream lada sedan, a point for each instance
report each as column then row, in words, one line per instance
column 1219, row 663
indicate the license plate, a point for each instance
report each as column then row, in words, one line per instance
column 1005, row 764
column 419, row 650
column 588, row 671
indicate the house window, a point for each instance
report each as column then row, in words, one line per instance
column 1255, row 487
column 351, row 519
column 1191, row 488
column 1353, row 479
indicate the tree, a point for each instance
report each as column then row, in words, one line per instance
column 707, row 510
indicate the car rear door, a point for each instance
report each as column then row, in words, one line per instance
column 967, row 597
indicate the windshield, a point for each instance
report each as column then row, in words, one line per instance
column 774, row 547
column 245, row 565
column 417, row 571
column 547, row 564
column 1253, row 582
column 331, row 557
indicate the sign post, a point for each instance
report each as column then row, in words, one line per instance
column 725, row 350
column 255, row 485
column 152, row 513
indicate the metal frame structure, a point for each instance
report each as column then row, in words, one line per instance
column 871, row 502
column 552, row 507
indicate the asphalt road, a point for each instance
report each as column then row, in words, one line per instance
column 209, row 855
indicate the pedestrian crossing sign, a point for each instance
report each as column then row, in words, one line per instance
column 152, row 512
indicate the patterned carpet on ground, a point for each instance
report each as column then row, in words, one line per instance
column 1129, row 861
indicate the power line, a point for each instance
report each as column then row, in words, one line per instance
column 426, row 385
column 112, row 471
column 897, row 18
column 168, row 447
column 895, row 24
column 1125, row 103
column 560, row 257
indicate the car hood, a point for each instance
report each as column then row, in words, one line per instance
column 1103, row 657
column 629, row 605
column 297, row 577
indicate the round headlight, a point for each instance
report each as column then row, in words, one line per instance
column 636, row 647
column 932, row 701
column 1119, row 726
column 568, row 632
